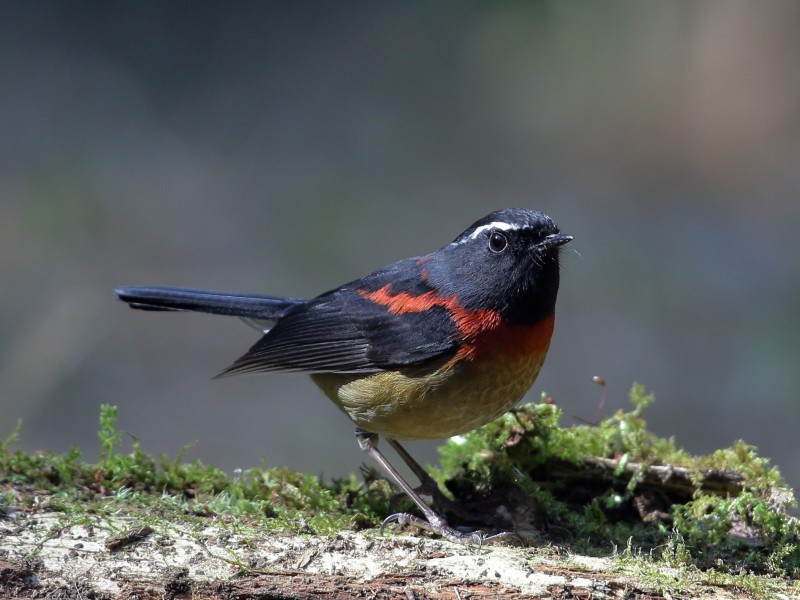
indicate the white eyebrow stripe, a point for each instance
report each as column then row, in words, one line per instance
column 493, row 225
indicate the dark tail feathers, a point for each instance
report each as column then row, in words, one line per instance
column 249, row 306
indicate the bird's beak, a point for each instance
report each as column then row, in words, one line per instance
column 553, row 240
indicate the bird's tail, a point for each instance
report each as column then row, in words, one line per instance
column 248, row 306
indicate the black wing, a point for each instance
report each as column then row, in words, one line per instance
column 344, row 331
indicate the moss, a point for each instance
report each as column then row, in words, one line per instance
column 589, row 489
column 274, row 498
column 598, row 487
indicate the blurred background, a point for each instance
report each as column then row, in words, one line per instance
column 287, row 147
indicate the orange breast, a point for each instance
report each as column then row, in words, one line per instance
column 488, row 338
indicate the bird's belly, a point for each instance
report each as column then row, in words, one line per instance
column 442, row 400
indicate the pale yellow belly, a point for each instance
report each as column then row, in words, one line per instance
column 434, row 402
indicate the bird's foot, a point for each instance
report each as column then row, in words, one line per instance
column 438, row 525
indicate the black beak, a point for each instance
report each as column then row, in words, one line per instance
column 553, row 240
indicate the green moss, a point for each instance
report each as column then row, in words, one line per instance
column 589, row 489
column 273, row 498
column 598, row 487
column 671, row 571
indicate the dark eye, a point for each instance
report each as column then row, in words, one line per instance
column 497, row 241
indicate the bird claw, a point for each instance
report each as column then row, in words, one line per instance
column 439, row 526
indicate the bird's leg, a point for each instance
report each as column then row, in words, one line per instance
column 428, row 486
column 434, row 522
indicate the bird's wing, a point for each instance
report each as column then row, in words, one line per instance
column 390, row 319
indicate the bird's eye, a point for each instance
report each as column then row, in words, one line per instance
column 497, row 241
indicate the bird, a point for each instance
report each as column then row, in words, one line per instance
column 427, row 347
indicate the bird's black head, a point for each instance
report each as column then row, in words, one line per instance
column 506, row 262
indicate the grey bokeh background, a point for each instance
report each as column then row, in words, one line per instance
column 286, row 147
